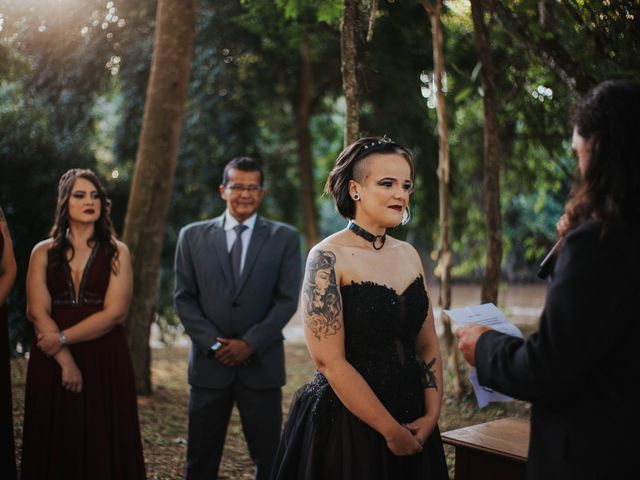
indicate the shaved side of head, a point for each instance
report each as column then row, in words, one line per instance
column 361, row 170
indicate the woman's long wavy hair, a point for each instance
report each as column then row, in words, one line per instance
column 609, row 190
column 103, row 231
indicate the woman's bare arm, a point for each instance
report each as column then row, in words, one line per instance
column 116, row 307
column 39, row 312
column 428, row 352
column 8, row 267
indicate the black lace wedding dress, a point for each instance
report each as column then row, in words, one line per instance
column 322, row 439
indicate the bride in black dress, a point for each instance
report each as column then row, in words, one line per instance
column 371, row 411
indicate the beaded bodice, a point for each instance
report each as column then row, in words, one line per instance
column 93, row 285
column 380, row 328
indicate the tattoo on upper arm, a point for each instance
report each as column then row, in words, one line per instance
column 428, row 376
column 320, row 295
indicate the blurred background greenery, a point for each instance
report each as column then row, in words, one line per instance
column 73, row 76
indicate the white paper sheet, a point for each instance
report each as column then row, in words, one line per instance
column 491, row 316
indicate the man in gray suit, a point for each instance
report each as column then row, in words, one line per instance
column 237, row 280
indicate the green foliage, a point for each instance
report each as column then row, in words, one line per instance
column 391, row 104
column 327, row 11
column 32, row 158
column 535, row 101
column 73, row 83
column 49, row 77
column 245, row 82
column 581, row 42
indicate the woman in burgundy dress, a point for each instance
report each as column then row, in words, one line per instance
column 7, row 277
column 81, row 419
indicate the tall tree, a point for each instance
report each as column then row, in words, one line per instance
column 302, row 118
column 155, row 163
column 52, row 69
column 434, row 11
column 349, row 67
column 298, row 38
column 491, row 183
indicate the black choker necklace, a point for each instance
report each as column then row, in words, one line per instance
column 376, row 240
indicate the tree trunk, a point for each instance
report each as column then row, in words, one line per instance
column 349, row 70
column 152, row 184
column 491, row 182
column 444, row 250
column 302, row 112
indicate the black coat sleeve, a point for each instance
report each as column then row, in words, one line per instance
column 553, row 365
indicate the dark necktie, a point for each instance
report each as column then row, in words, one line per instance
column 236, row 252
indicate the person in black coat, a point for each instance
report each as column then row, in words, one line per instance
column 580, row 368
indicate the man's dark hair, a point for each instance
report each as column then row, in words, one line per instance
column 246, row 164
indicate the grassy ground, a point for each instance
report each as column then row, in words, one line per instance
column 163, row 415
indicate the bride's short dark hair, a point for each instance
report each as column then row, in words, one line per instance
column 337, row 183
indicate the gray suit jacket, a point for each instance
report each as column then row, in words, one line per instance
column 210, row 305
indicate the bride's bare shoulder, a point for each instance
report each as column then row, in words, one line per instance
column 335, row 243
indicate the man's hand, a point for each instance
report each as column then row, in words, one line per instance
column 468, row 336
column 233, row 352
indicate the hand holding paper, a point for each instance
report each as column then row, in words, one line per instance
column 481, row 317
column 486, row 314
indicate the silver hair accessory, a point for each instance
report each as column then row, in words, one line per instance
column 373, row 146
column 376, row 143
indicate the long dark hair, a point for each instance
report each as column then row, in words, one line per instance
column 103, row 232
column 609, row 189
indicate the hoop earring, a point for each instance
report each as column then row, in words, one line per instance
column 406, row 216
column 356, row 197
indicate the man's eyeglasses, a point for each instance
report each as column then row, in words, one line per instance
column 239, row 188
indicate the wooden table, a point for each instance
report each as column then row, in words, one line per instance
column 493, row 451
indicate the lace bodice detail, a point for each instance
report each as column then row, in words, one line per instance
column 380, row 327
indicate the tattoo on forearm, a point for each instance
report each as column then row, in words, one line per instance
column 320, row 295
column 428, row 376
